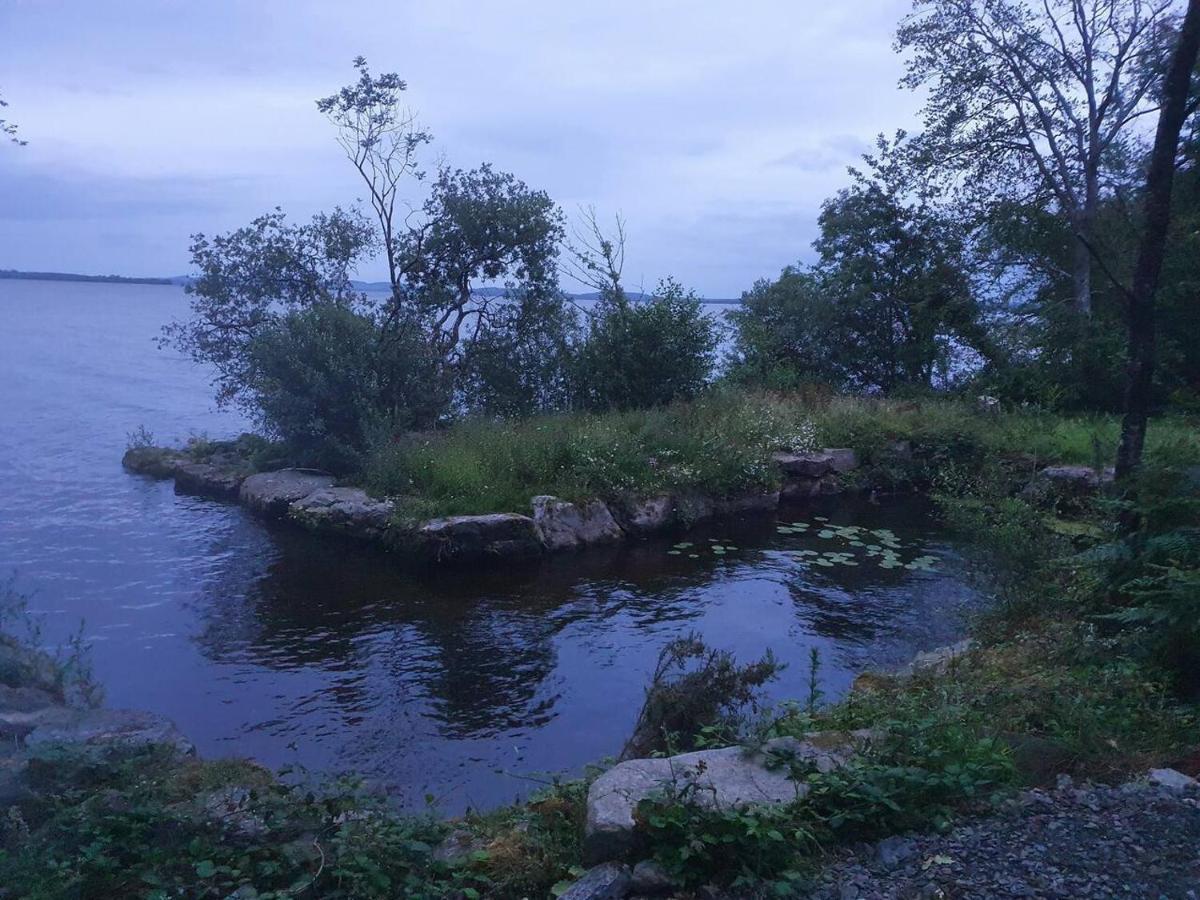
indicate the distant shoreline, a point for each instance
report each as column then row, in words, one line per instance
column 15, row 275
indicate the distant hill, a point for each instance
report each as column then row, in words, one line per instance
column 68, row 276
column 367, row 286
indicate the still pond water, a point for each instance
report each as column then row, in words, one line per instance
column 265, row 642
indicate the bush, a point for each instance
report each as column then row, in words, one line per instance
column 645, row 354
column 330, row 384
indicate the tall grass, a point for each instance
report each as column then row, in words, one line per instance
column 719, row 444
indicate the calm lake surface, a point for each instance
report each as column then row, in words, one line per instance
column 262, row 641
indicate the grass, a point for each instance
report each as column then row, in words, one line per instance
column 721, row 444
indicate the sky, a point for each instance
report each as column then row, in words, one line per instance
column 715, row 129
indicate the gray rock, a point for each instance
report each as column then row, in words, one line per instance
column 609, row 881
column 752, row 501
column 842, row 459
column 343, row 510
column 649, row 877
column 476, row 538
column 111, row 727
column 892, row 851
column 570, row 526
column 936, row 660
column 646, row 516
column 717, row 779
column 207, row 480
column 271, row 493
column 458, row 847
column 806, row 465
column 1172, row 779
column 157, row 462
column 24, row 709
column 798, row 487
column 230, row 808
column 1079, row 476
column 692, row 507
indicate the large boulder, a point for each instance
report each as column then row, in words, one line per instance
column 272, row 493
column 842, row 459
column 571, row 526
column 477, row 538
column 804, row 465
column 729, row 778
column 208, row 480
column 343, row 510
column 157, row 462
column 110, row 728
column 645, row 515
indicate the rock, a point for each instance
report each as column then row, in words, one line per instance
column 13, row 787
column 467, row 538
column 987, row 406
column 649, row 877
column 230, row 808
column 569, row 526
column 459, row 846
column 798, row 487
column 1076, row 475
column 806, row 465
column 343, row 510
column 1172, row 779
column 936, row 660
column 752, row 501
column 892, row 851
column 111, row 727
column 646, row 516
column 207, row 480
column 271, row 493
column 24, row 709
column 609, row 881
column 692, row 507
column 842, row 459
column 717, row 779
column 157, row 462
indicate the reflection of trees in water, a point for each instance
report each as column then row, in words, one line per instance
column 474, row 650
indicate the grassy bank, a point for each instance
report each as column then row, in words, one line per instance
column 722, row 444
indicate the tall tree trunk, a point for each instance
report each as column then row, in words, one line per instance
column 1081, row 266
column 1157, row 213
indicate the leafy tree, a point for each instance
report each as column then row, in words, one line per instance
column 645, row 353
column 1034, row 101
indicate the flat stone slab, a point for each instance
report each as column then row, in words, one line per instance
column 729, row 778
column 110, row 727
column 571, row 526
column 477, row 538
column 343, row 510
column 206, row 480
column 271, row 493
column 805, row 465
column 1084, row 476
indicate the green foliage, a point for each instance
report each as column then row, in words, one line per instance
column 644, row 353
column 696, row 691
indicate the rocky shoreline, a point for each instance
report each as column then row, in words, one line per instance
column 313, row 500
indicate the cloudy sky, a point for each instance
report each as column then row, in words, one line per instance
column 716, row 129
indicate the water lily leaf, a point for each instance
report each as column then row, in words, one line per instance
column 825, row 533
column 674, row 553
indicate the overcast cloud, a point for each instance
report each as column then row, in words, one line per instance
column 715, row 128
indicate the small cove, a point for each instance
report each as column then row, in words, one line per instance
column 465, row 686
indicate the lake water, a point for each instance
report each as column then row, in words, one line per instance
column 266, row 642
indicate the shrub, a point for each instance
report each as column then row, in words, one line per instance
column 646, row 353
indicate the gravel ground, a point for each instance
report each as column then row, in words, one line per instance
column 1134, row 841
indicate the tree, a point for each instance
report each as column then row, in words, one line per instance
column 1152, row 249
column 1033, row 99
column 9, row 129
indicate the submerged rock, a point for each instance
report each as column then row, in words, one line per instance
column 271, row 493
column 207, row 480
column 474, row 538
column 716, row 779
column 570, row 526
column 343, row 510
column 157, row 462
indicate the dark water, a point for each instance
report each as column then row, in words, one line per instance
column 266, row 642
